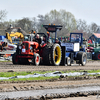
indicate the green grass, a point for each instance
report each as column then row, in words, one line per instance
column 93, row 71
column 5, row 60
column 11, row 74
column 31, row 79
column 90, row 71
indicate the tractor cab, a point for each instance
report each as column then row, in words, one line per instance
column 76, row 37
column 42, row 35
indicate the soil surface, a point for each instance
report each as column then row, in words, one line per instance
column 7, row 66
column 80, row 98
column 30, row 85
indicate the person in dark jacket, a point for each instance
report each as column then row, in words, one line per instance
column 57, row 41
column 38, row 39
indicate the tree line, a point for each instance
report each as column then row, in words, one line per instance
column 61, row 17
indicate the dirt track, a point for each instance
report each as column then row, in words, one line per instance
column 80, row 98
column 8, row 66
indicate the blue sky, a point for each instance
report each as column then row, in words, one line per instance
column 87, row 10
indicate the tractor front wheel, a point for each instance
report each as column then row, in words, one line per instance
column 68, row 61
column 36, row 59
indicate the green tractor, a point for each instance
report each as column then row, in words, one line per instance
column 94, row 49
column 96, row 53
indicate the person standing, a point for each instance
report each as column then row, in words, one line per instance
column 32, row 35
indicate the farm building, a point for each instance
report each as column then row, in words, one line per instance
column 95, row 38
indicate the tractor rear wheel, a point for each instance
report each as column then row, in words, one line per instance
column 46, row 54
column 15, row 59
column 36, row 59
column 82, row 57
column 56, row 54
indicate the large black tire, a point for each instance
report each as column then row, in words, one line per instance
column 15, row 59
column 23, row 61
column 56, row 54
column 82, row 57
column 68, row 61
column 18, row 51
column 46, row 54
column 97, row 56
column 36, row 59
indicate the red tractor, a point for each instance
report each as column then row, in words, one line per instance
column 31, row 51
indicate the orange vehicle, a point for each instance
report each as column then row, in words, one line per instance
column 27, row 51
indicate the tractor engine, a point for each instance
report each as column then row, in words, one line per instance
column 26, row 52
column 28, row 47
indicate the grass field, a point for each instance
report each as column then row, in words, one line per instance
column 14, row 74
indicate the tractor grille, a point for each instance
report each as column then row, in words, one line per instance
column 26, row 45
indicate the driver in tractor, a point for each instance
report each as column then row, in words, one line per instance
column 57, row 41
column 43, row 41
column 37, row 39
column 40, row 40
column 78, row 39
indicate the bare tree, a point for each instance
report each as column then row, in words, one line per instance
column 82, row 25
column 34, row 24
column 66, row 19
column 3, row 14
column 41, row 21
column 93, row 27
column 25, row 24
